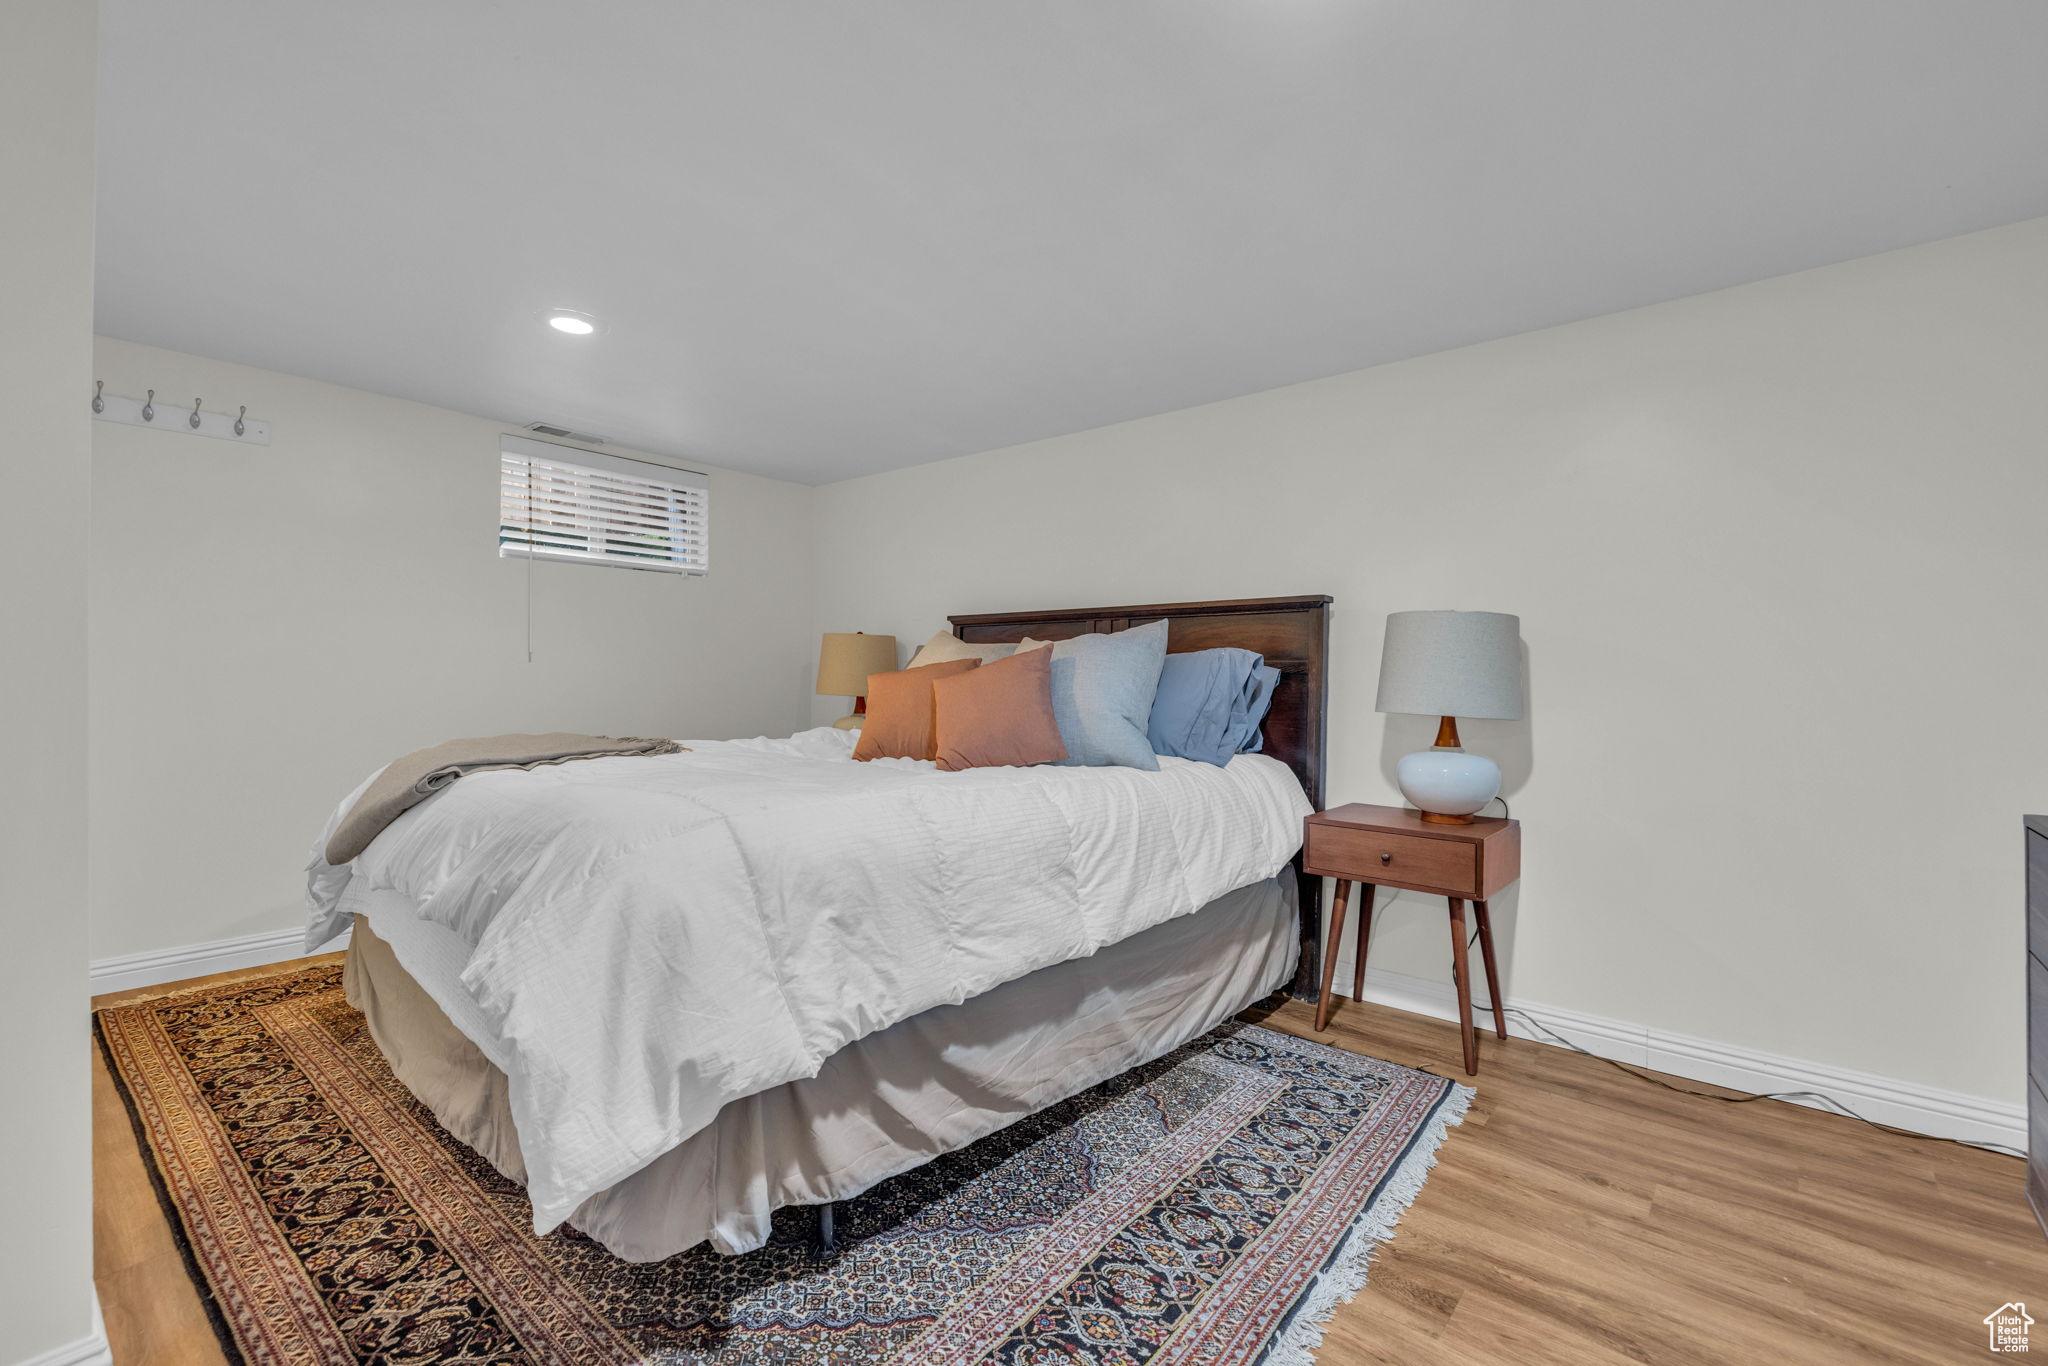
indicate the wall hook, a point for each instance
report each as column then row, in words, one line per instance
column 240, row 430
column 149, row 407
column 193, row 421
column 99, row 405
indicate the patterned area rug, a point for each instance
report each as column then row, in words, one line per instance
column 1211, row 1207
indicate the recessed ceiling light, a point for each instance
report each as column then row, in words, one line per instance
column 573, row 323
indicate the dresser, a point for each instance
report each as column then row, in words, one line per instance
column 2037, row 1017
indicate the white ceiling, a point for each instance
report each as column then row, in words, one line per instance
column 833, row 238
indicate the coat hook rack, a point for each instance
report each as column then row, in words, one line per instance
column 142, row 412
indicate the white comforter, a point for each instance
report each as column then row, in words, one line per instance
column 650, row 938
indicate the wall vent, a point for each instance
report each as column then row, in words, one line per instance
column 563, row 433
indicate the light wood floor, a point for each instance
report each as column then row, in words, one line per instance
column 1578, row 1216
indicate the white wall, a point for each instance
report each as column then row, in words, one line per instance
column 47, row 68
column 1772, row 548
column 1779, row 554
column 270, row 624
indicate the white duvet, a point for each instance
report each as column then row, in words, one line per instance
column 650, row 938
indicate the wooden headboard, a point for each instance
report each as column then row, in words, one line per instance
column 1292, row 633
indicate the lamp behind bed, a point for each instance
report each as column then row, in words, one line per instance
column 845, row 659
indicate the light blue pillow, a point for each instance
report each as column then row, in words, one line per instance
column 1102, row 691
column 1210, row 704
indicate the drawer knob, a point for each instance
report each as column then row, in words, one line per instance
column 1386, row 858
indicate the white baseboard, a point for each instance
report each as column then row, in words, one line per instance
column 158, row 966
column 90, row 1350
column 1907, row 1105
column 1888, row 1100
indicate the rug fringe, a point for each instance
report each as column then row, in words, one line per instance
column 1341, row 1280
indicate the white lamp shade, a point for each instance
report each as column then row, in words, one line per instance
column 1453, row 664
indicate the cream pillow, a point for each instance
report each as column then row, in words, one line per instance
column 944, row 647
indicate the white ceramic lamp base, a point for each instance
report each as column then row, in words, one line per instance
column 1448, row 785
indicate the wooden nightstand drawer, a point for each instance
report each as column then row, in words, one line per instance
column 1394, row 860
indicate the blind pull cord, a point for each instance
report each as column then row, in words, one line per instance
column 530, row 548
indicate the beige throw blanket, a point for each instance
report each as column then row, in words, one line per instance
column 420, row 774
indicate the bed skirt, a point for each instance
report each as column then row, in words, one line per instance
column 878, row 1107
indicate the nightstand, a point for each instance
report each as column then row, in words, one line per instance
column 1391, row 846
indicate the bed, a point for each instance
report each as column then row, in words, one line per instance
column 942, row 954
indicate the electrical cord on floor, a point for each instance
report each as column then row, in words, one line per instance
column 1744, row 1097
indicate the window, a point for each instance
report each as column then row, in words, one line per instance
column 561, row 503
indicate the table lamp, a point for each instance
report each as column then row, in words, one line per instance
column 845, row 659
column 1451, row 664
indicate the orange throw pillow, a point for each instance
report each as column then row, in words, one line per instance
column 899, row 724
column 999, row 715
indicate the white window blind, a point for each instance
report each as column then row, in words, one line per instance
column 562, row 503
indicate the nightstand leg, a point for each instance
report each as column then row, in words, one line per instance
column 1365, row 894
column 1330, row 953
column 1500, row 1018
column 1463, row 973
